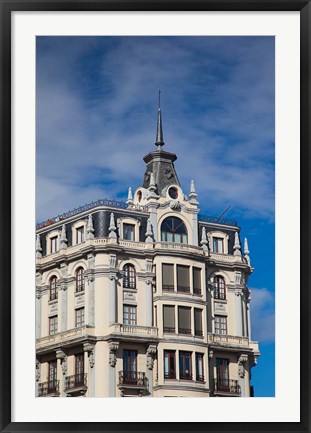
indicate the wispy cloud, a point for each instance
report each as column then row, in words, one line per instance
column 96, row 115
column 263, row 317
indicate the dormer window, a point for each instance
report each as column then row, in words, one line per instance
column 174, row 230
column 173, row 192
column 218, row 245
column 80, row 235
column 54, row 244
column 129, row 232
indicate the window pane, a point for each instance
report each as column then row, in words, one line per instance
column 184, row 320
column 169, row 318
column 183, row 281
column 128, row 232
column 167, row 276
column 80, row 235
column 185, row 368
column 218, row 245
column 177, row 238
column 54, row 244
column 196, row 280
column 198, row 322
column 169, row 364
column 199, row 367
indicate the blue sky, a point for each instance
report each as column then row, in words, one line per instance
column 96, row 118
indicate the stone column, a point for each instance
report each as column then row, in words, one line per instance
column 61, row 370
column 150, row 354
column 195, row 229
column 90, row 301
column 238, row 312
column 38, row 313
column 112, row 298
column 89, row 349
column 113, row 347
column 153, row 219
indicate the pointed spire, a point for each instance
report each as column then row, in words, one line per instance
column 63, row 239
column 236, row 246
column 38, row 248
column 193, row 195
column 112, row 227
column 246, row 251
column 149, row 232
column 90, row 228
column 159, row 138
column 129, row 200
column 204, row 240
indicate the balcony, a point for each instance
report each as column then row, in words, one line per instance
column 133, row 381
column 72, row 335
column 135, row 331
column 48, row 389
column 227, row 340
column 229, row 387
column 76, row 384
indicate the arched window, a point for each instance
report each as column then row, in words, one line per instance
column 53, row 288
column 80, row 280
column 173, row 230
column 129, row 279
column 219, row 287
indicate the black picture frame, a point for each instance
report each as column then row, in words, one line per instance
column 9, row 6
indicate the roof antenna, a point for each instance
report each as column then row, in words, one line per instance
column 224, row 212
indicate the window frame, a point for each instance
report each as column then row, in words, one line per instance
column 125, row 226
column 129, row 277
column 54, row 244
column 53, row 325
column 170, row 355
column 53, row 288
column 199, row 360
column 219, row 290
column 169, row 329
column 80, row 230
column 221, row 325
column 131, row 314
column 184, row 356
column 80, row 283
column 181, row 330
column 197, row 332
column 79, row 317
column 171, row 235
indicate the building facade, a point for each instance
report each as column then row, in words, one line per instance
column 144, row 298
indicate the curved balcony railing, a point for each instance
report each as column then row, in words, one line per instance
column 133, row 378
column 227, row 385
column 48, row 388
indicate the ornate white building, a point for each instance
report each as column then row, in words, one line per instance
column 143, row 298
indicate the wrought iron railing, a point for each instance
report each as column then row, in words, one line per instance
column 227, row 385
column 184, row 331
column 183, row 289
column 99, row 202
column 199, row 378
column 212, row 219
column 169, row 375
column 197, row 292
column 75, row 381
column 133, row 378
column 169, row 330
column 168, row 288
column 49, row 387
column 185, row 376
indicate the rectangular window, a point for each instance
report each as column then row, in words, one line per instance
column 80, row 317
column 169, row 364
column 54, row 244
column 197, row 281
column 80, row 235
column 199, row 367
column 129, row 314
column 129, row 232
column 167, row 277
column 79, row 367
column 183, row 280
column 222, row 373
column 184, row 320
column 185, row 365
column 52, row 374
column 221, row 325
column 53, row 325
column 129, row 367
column 218, row 245
column 169, row 318
column 198, row 322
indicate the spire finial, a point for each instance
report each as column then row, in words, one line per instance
column 159, row 138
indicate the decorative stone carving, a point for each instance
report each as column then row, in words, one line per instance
column 237, row 277
column 113, row 347
column 38, row 248
column 151, row 353
column 148, row 265
column 210, row 354
column 204, row 241
column 38, row 293
column 112, row 227
column 89, row 348
column 112, row 260
column 60, row 354
column 90, row 228
column 175, row 205
column 63, row 238
column 242, row 359
column 246, row 251
column 148, row 233
column 64, row 270
column 129, row 200
column 152, row 187
column 236, row 246
column 37, row 370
